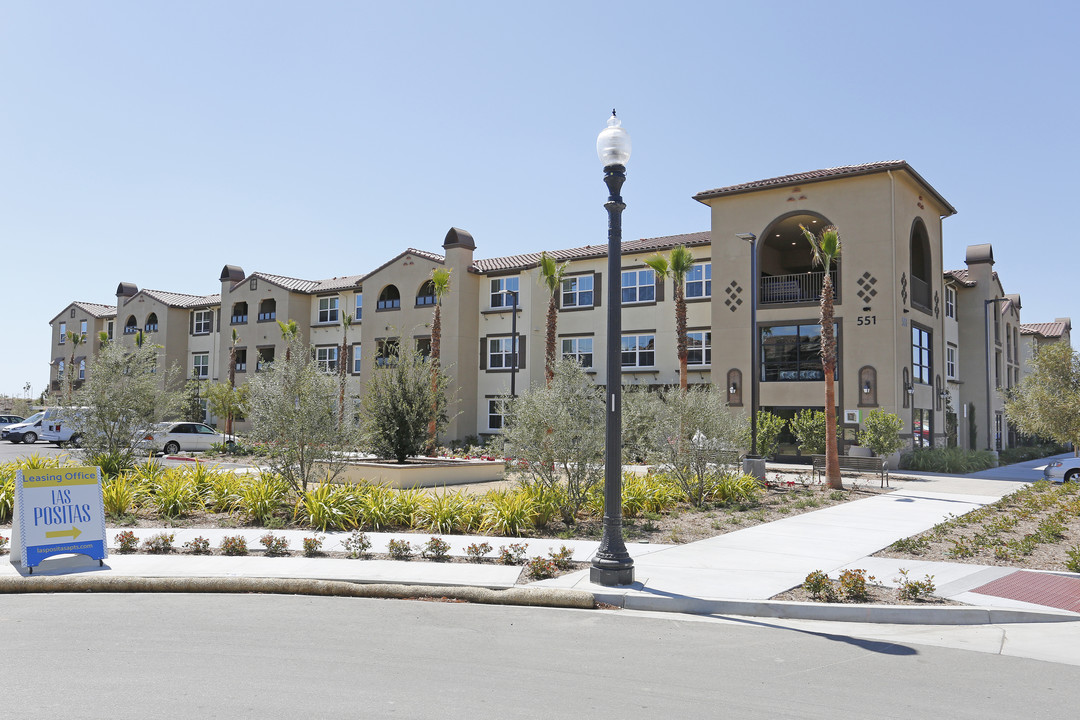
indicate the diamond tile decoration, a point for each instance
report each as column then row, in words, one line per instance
column 866, row 288
column 1056, row 591
column 733, row 292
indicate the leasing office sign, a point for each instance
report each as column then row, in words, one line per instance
column 58, row 511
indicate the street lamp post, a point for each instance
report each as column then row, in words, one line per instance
column 755, row 364
column 989, row 369
column 612, row 564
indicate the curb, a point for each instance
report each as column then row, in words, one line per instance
column 886, row 614
column 532, row 597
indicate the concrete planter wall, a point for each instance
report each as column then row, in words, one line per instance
column 423, row 473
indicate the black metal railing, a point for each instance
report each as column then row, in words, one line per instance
column 794, row 288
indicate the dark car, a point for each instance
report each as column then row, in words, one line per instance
column 10, row 420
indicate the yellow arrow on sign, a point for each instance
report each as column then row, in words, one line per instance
column 74, row 532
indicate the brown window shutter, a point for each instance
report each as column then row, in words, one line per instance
column 191, row 323
column 659, row 288
column 211, row 323
column 521, row 352
column 483, row 353
column 597, row 289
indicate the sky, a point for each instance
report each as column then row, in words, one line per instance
column 154, row 142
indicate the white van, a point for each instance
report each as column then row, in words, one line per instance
column 57, row 426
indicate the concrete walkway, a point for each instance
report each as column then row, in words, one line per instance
column 734, row 573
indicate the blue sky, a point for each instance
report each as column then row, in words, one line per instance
column 154, row 142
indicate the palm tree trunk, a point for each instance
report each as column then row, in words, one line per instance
column 828, row 362
column 436, row 350
column 550, row 353
column 680, row 331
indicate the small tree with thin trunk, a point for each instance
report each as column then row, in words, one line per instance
column 826, row 249
column 343, row 365
column 675, row 267
column 398, row 404
column 75, row 340
column 440, row 283
column 551, row 275
column 232, row 377
column 1046, row 403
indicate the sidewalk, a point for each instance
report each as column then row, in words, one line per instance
column 734, row 573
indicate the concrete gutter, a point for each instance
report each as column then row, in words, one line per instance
column 838, row 612
column 527, row 596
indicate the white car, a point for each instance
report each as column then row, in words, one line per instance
column 1067, row 470
column 174, row 437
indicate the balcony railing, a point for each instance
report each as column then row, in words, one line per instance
column 920, row 293
column 795, row 288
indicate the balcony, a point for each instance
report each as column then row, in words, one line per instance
column 794, row 288
column 920, row 294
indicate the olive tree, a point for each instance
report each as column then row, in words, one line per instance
column 292, row 407
column 125, row 393
column 1046, row 404
column 558, row 431
column 695, row 437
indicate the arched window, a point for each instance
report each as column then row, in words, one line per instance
column 921, row 263
column 426, row 294
column 60, row 370
column 786, row 265
column 131, row 326
column 239, row 313
column 151, row 323
column 267, row 310
column 389, row 299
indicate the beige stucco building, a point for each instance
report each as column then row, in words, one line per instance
column 910, row 335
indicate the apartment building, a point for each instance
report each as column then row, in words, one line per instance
column 87, row 320
column 1036, row 335
column 908, row 331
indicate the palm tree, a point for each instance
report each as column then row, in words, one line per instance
column 551, row 274
column 676, row 266
column 343, row 354
column 289, row 330
column 232, row 376
column 103, row 338
column 826, row 249
column 440, row 282
column 76, row 340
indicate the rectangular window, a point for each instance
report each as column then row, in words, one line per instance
column 638, row 286
column 328, row 309
column 920, row 355
column 267, row 310
column 356, row 359
column 326, row 359
column 699, row 281
column 922, row 428
column 950, row 302
column 577, row 291
column 499, row 288
column 638, row 351
column 423, row 346
column 502, row 353
column 82, row 328
column 82, row 369
column 950, row 361
column 239, row 313
column 359, row 307
column 699, row 347
column 385, row 352
column 495, row 418
column 201, row 365
column 110, row 329
column 241, row 360
column 266, row 356
column 63, row 333
column 579, row 349
column 203, row 319
column 791, row 353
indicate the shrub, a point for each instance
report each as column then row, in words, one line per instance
column 563, row 558
column 3, row 542
column 508, row 513
column 913, row 545
column 126, row 542
column 514, row 554
column 234, row 545
column 118, row 495
column 260, row 497
column 820, row 587
column 275, row 544
column 159, row 544
column 808, row 427
column 399, row 549
column 540, row 568
column 477, row 551
column 448, row 512
column 881, row 432
column 1073, row 563
column 312, row 546
column 198, row 546
column 728, row 489
column 357, row 544
column 174, row 495
column 113, row 463
column 853, row 585
column 7, row 494
column 377, row 508
column 947, row 460
column 224, row 492
column 915, row 589
column 327, row 506
column 769, row 429
column 407, row 505
column 436, row 549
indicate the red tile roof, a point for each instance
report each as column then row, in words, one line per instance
column 529, row 260
column 1048, row 330
column 822, row 175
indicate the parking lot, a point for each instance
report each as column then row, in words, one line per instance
column 13, row 451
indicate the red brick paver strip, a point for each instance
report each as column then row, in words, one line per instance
column 1047, row 589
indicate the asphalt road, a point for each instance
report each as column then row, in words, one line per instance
column 211, row 656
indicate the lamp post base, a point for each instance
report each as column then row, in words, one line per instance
column 612, row 576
